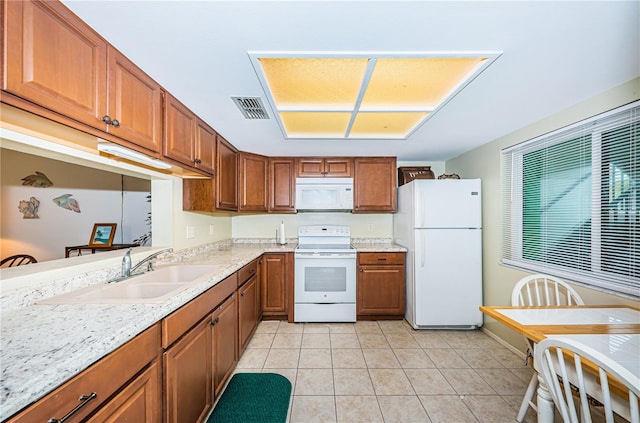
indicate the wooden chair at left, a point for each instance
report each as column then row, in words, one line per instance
column 17, row 260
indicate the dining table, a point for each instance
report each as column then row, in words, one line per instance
column 613, row 330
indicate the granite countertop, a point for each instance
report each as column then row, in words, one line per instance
column 42, row 346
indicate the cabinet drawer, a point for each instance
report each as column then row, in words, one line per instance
column 247, row 272
column 103, row 378
column 181, row 320
column 381, row 258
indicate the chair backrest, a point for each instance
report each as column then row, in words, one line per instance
column 543, row 290
column 17, row 260
column 559, row 356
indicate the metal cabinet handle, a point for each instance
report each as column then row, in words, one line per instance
column 85, row 400
column 107, row 119
column 252, row 270
column 197, row 161
column 215, row 321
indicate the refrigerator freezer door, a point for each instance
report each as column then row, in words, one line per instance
column 448, row 203
column 448, row 278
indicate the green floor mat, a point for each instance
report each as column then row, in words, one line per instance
column 253, row 397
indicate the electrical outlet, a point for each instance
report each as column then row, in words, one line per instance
column 370, row 227
column 191, row 232
column 211, row 230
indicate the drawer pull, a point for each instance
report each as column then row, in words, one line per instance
column 382, row 258
column 216, row 320
column 85, row 400
column 252, row 270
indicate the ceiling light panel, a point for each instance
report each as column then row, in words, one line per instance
column 315, row 124
column 325, row 82
column 415, row 82
column 362, row 95
column 385, row 125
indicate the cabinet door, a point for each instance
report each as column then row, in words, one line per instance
column 339, row 167
column 248, row 300
column 179, row 131
column 282, row 184
column 381, row 290
column 274, row 284
column 310, row 167
column 375, row 184
column 205, row 144
column 224, row 323
column 253, row 177
column 135, row 101
column 188, row 378
column 226, row 175
column 140, row 401
column 55, row 60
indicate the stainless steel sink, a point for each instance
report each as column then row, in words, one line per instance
column 150, row 287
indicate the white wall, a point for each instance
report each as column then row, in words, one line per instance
column 103, row 197
column 484, row 163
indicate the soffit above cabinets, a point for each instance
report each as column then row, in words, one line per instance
column 362, row 95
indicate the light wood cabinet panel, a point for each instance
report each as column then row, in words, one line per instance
column 277, row 285
column 224, row 327
column 105, row 378
column 205, row 146
column 198, row 194
column 179, row 131
column 188, row 376
column 381, row 285
column 282, row 184
column 253, row 176
column 135, row 101
column 317, row 167
column 55, row 60
column 248, row 302
column 140, row 401
column 226, row 175
column 375, row 184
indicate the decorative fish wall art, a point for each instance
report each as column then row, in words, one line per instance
column 29, row 209
column 66, row 202
column 39, row 179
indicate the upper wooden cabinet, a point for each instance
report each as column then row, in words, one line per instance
column 179, row 131
column 253, row 182
column 205, row 147
column 187, row 138
column 226, row 176
column 53, row 59
column 375, row 184
column 282, row 185
column 316, row 167
column 135, row 101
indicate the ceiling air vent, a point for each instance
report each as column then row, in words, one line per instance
column 251, row 107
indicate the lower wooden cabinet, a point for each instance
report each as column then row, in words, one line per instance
column 108, row 377
column 248, row 311
column 224, row 334
column 381, row 286
column 277, row 286
column 140, row 401
column 188, row 376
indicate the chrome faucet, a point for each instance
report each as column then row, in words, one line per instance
column 127, row 269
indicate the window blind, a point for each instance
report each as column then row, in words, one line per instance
column 571, row 202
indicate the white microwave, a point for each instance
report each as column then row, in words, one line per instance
column 324, row 194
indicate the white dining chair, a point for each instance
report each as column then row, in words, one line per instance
column 561, row 357
column 540, row 290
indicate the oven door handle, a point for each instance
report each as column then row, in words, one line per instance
column 323, row 256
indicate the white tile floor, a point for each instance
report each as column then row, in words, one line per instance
column 387, row 372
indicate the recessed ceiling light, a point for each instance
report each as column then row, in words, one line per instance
column 362, row 95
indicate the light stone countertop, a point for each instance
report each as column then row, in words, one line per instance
column 42, row 346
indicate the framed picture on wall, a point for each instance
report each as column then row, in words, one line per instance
column 102, row 235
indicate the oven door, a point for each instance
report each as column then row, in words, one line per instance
column 325, row 278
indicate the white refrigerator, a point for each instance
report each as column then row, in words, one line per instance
column 440, row 224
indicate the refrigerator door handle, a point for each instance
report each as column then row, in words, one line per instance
column 422, row 249
column 420, row 207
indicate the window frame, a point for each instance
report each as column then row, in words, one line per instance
column 513, row 198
